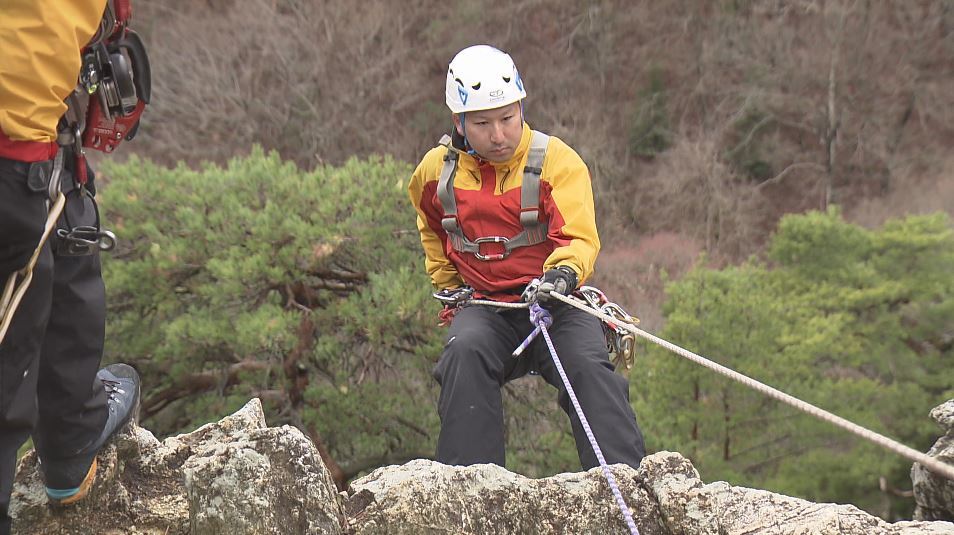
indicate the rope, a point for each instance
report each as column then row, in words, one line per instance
column 928, row 462
column 13, row 294
column 540, row 318
column 498, row 304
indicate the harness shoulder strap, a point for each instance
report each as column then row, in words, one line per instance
column 445, row 193
column 534, row 231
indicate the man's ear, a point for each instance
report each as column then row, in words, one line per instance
column 457, row 125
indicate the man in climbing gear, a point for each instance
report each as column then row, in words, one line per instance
column 72, row 76
column 506, row 213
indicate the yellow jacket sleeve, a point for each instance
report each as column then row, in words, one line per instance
column 40, row 42
column 570, row 210
column 423, row 186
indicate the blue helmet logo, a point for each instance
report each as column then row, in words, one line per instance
column 463, row 95
column 519, row 82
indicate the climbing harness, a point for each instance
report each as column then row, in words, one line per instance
column 928, row 462
column 534, row 231
column 620, row 343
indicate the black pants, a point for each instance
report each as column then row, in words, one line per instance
column 477, row 361
column 52, row 351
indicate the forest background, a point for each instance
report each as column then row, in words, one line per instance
column 773, row 178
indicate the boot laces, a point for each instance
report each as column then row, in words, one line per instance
column 113, row 389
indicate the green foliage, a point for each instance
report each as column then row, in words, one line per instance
column 650, row 132
column 306, row 289
column 852, row 320
column 260, row 279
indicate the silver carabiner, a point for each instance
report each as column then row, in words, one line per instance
column 106, row 241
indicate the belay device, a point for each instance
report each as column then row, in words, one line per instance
column 116, row 75
column 620, row 343
column 111, row 94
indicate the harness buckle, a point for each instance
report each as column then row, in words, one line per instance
column 492, row 257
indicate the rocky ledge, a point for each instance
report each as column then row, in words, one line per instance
column 239, row 476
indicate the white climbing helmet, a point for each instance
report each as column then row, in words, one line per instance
column 481, row 77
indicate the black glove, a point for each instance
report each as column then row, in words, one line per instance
column 561, row 279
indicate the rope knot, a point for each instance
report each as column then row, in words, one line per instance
column 539, row 316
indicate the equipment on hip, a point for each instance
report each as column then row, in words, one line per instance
column 620, row 341
column 114, row 86
column 454, row 296
column 116, row 71
column 534, row 230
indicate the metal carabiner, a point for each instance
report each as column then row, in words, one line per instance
column 492, row 239
column 454, row 297
column 83, row 240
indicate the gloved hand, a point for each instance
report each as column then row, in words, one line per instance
column 561, row 279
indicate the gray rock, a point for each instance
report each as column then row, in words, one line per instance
column 138, row 490
column 233, row 476
column 238, row 476
column 271, row 482
column 665, row 494
column 426, row 497
column 933, row 493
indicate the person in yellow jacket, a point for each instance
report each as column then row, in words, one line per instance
column 500, row 206
column 49, row 383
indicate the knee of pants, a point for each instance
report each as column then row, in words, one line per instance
column 593, row 362
column 467, row 355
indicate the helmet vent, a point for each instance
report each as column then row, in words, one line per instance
column 506, row 79
column 476, row 86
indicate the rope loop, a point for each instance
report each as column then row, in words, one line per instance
column 540, row 316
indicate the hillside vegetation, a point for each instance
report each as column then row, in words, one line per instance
column 293, row 271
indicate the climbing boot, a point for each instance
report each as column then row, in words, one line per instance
column 70, row 480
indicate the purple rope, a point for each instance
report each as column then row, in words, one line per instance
column 526, row 343
column 541, row 318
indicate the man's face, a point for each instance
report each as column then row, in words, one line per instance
column 494, row 134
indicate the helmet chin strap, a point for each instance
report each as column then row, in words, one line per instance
column 463, row 131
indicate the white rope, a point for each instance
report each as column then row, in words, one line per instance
column 498, row 304
column 928, row 462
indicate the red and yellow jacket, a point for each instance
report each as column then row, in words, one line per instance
column 40, row 42
column 488, row 204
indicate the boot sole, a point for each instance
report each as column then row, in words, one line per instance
column 83, row 491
